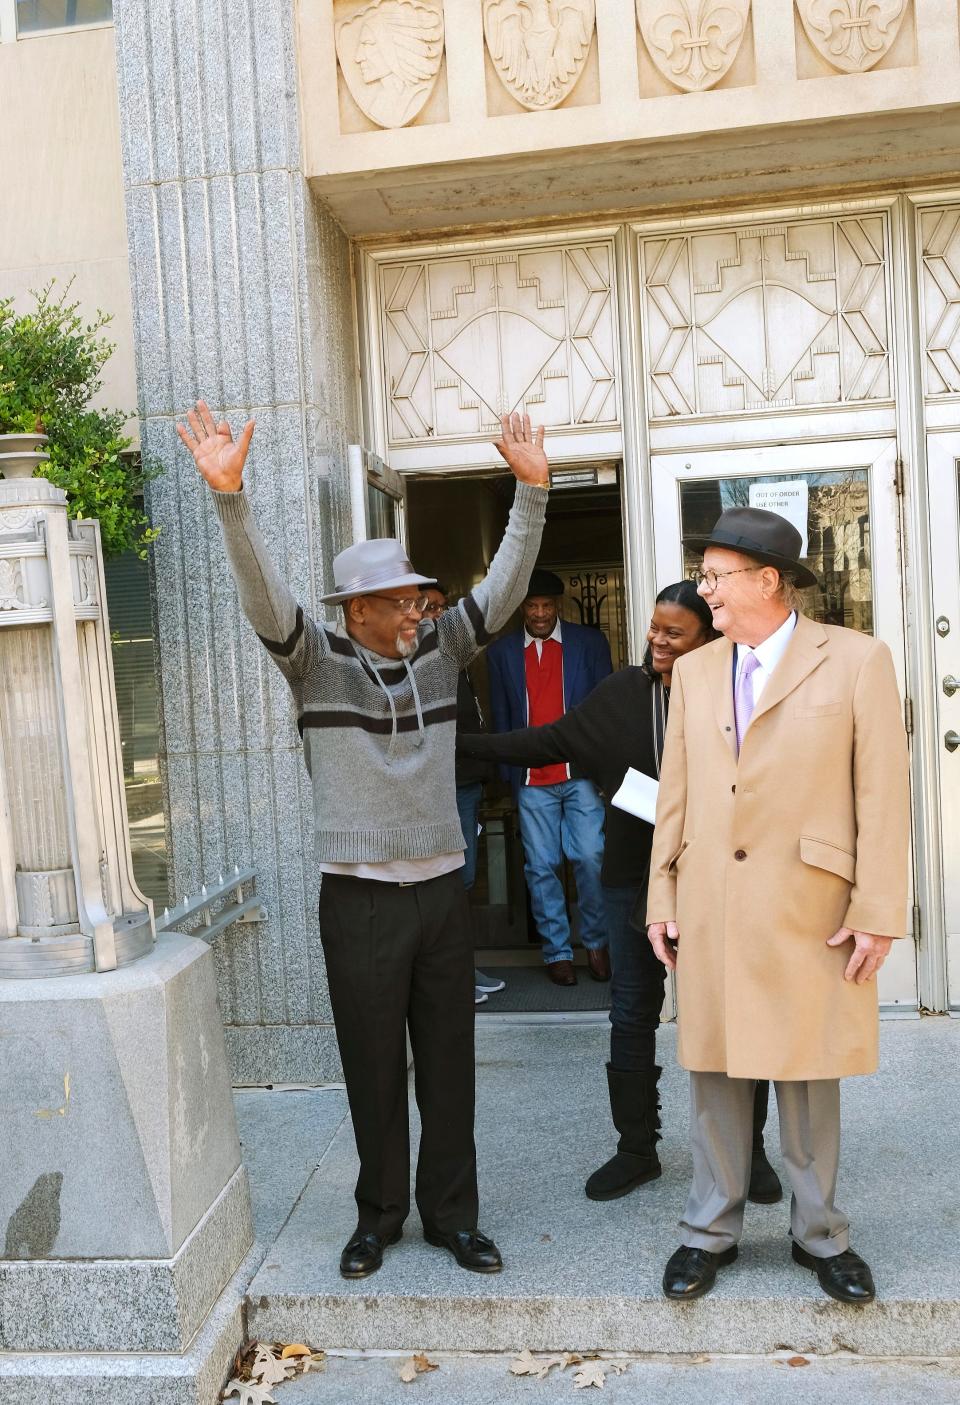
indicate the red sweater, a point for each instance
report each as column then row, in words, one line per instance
column 545, row 700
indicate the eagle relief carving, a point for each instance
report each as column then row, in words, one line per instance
column 539, row 47
column 390, row 53
column 693, row 42
column 852, row 35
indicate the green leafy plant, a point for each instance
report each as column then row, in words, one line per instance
column 51, row 365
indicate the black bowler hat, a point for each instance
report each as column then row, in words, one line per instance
column 766, row 536
column 544, row 583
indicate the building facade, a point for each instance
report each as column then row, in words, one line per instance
column 715, row 248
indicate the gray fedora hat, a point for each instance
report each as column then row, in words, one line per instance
column 369, row 567
column 765, row 536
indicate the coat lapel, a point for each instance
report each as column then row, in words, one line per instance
column 720, row 681
column 803, row 654
column 572, row 658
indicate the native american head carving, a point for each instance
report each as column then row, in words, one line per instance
column 390, row 53
column 539, row 47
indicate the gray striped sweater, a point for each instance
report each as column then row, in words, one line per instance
column 378, row 734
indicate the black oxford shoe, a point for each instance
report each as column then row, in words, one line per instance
column 364, row 1254
column 844, row 1276
column 469, row 1247
column 692, row 1272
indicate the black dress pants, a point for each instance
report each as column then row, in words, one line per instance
column 401, row 956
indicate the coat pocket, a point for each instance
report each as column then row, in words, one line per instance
column 831, row 709
column 678, row 855
column 820, row 853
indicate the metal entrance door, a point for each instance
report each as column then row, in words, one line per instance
column 943, row 458
column 842, row 496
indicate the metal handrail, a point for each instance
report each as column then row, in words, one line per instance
column 240, row 909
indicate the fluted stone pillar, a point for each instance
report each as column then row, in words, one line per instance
column 241, row 294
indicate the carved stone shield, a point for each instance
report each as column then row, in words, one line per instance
column 852, row 35
column 693, row 42
column 539, row 47
column 390, row 53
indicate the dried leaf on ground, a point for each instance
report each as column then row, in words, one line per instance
column 526, row 1364
column 295, row 1349
column 248, row 1393
column 268, row 1370
column 798, row 1361
column 616, row 1368
column 417, row 1365
column 570, row 1358
column 590, row 1373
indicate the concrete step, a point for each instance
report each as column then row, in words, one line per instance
column 581, row 1276
column 487, row 1380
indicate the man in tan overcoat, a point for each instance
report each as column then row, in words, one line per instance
column 778, row 881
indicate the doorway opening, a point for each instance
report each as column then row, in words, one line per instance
column 454, row 526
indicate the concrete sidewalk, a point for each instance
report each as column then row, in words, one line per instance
column 583, row 1276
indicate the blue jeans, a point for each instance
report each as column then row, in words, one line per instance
column 636, row 986
column 557, row 822
column 468, row 807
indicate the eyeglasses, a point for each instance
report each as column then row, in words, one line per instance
column 434, row 607
column 407, row 604
column 710, row 578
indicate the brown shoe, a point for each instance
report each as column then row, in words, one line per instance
column 562, row 973
column 598, row 962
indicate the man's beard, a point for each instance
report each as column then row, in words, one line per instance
column 406, row 648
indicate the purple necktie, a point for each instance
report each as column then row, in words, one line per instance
column 743, row 696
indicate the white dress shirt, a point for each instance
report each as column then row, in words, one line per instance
column 769, row 654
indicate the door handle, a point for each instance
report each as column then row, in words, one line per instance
column 952, row 740
column 950, row 685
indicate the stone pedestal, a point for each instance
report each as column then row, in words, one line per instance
column 124, row 1206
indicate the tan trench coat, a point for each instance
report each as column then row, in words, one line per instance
column 760, row 860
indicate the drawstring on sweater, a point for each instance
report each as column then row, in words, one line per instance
column 372, row 669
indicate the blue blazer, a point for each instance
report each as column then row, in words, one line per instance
column 586, row 660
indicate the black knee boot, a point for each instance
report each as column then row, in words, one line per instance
column 765, row 1187
column 636, row 1116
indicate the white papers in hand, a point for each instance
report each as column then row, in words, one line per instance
column 637, row 795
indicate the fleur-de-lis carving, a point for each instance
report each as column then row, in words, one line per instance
column 852, row 35
column 693, row 42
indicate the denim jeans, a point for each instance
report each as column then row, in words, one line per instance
column 636, row 987
column 557, row 822
column 468, row 807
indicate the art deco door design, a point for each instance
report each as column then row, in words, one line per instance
column 766, row 316
column 468, row 338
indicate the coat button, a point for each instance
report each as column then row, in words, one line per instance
column 733, row 790
column 740, row 855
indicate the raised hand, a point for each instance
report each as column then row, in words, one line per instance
column 522, row 447
column 218, row 457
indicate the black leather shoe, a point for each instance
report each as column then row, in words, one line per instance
column 692, row 1272
column 364, row 1254
column 469, row 1247
column 844, row 1276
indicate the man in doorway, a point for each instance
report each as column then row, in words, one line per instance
column 536, row 675
column 376, row 707
column 470, row 778
column 778, row 881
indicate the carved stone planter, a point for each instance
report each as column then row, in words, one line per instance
column 21, row 454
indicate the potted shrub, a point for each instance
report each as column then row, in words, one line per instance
column 51, row 363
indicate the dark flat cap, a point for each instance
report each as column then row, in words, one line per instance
column 544, row 583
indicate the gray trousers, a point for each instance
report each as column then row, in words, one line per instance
column 721, row 1126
